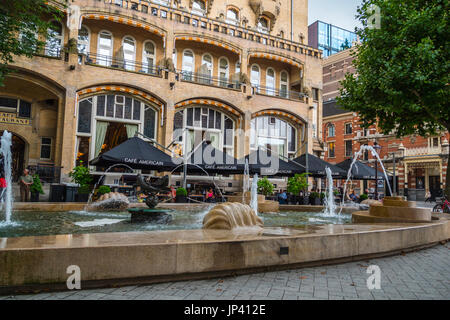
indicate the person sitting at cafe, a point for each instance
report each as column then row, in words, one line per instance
column 353, row 197
column 210, row 195
column 282, row 197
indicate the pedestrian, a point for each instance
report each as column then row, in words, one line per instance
column 25, row 183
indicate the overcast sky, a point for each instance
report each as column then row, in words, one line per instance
column 338, row 12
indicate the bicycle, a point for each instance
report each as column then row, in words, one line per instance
column 443, row 205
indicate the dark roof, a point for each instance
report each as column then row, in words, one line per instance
column 316, row 166
column 330, row 108
column 267, row 163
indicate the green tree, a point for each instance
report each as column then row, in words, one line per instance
column 297, row 183
column 265, row 187
column 21, row 24
column 402, row 68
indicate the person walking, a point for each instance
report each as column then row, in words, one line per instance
column 25, row 182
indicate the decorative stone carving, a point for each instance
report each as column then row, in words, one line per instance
column 73, row 17
column 231, row 215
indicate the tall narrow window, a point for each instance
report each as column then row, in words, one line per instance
column 46, row 148
column 129, row 53
column 331, row 130
column 206, row 69
column 54, row 40
column 83, row 40
column 270, row 82
column 105, row 47
column 148, row 56
column 284, row 84
column 348, row 148
column 188, row 65
column 331, row 150
column 254, row 77
column 263, row 25
column 223, row 72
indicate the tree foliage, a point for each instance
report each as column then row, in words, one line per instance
column 402, row 67
column 23, row 23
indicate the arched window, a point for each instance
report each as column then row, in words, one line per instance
column 148, row 57
column 331, row 130
column 254, row 77
column 188, row 65
column 273, row 134
column 284, row 84
column 223, row 71
column 232, row 16
column 105, row 48
column 282, row 34
column 263, row 25
column 129, row 53
column 54, row 39
column 206, row 69
column 199, row 123
column 270, row 81
column 199, row 7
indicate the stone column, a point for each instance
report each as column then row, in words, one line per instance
column 69, row 133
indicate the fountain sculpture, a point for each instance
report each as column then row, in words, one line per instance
column 112, row 201
column 151, row 190
column 231, row 215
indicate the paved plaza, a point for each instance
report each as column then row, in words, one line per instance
column 423, row 274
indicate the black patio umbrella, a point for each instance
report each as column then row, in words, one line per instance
column 267, row 163
column 316, row 166
column 137, row 154
column 207, row 158
column 360, row 171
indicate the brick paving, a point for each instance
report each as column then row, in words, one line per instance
column 423, row 274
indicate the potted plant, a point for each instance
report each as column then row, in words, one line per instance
column 36, row 188
column 181, row 195
column 297, row 184
column 314, row 198
column 363, row 197
column 103, row 190
column 265, row 187
column 322, row 197
column 81, row 176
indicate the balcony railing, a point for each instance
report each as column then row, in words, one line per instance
column 53, row 52
column 201, row 22
column 127, row 65
column 285, row 94
column 423, row 151
column 208, row 80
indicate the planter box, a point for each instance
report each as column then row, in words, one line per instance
column 34, row 197
column 180, row 199
column 82, row 197
column 314, row 201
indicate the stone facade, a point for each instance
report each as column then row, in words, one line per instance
column 58, row 80
column 420, row 162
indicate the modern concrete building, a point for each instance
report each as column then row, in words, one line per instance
column 112, row 68
column 420, row 162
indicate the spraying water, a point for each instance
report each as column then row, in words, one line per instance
column 330, row 205
column 357, row 155
column 246, row 180
column 5, row 151
column 254, row 194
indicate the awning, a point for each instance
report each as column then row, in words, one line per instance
column 266, row 163
column 360, row 171
column 316, row 166
column 137, row 154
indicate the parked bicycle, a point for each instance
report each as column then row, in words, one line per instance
column 442, row 206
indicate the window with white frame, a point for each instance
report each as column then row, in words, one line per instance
column 254, row 77
column 232, row 16
column 274, row 134
column 348, row 128
column 188, row 65
column 223, row 71
column 199, row 7
column 348, row 148
column 207, row 68
column 83, row 40
column 263, row 25
column 331, row 130
column 284, row 84
column 148, row 57
column 270, row 82
column 54, row 39
column 105, row 48
column 204, row 123
column 129, row 53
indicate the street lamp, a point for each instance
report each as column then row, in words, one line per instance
column 377, row 147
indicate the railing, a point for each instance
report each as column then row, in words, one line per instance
column 422, row 151
column 208, row 80
column 285, row 94
column 54, row 52
column 182, row 16
column 47, row 173
column 127, row 65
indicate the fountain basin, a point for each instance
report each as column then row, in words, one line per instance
column 263, row 204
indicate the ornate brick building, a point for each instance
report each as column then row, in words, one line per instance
column 115, row 67
column 420, row 163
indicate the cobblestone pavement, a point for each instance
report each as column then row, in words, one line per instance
column 423, row 274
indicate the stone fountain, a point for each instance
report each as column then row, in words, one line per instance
column 231, row 215
column 393, row 209
column 263, row 204
column 112, row 201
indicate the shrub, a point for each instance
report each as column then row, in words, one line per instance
column 36, row 187
column 103, row 190
column 83, row 189
column 363, row 197
column 80, row 175
column 181, row 192
column 314, row 195
column 265, row 187
column 297, row 183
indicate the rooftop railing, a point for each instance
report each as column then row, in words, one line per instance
column 219, row 26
